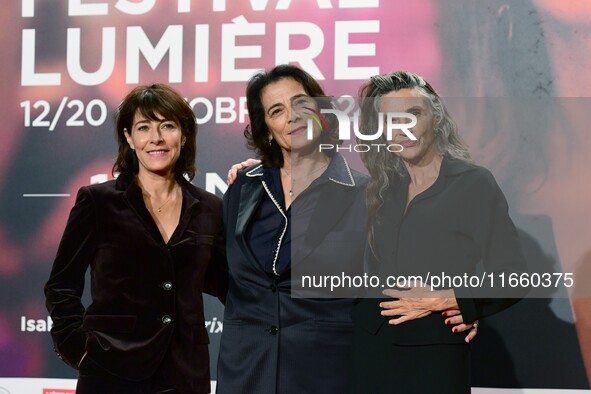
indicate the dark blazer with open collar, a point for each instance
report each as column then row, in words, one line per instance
column 146, row 294
column 273, row 343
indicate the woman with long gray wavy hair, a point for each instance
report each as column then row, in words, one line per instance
column 433, row 215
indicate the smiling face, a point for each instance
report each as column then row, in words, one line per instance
column 411, row 101
column 287, row 109
column 157, row 143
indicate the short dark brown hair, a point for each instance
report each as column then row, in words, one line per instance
column 151, row 100
column 257, row 132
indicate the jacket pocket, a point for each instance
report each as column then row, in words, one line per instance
column 334, row 324
column 203, row 239
column 199, row 238
column 110, row 323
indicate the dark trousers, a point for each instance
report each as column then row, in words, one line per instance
column 381, row 367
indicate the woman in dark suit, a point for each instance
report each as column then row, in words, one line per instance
column 154, row 243
column 432, row 212
column 300, row 206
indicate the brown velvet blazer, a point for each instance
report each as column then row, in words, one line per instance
column 146, row 294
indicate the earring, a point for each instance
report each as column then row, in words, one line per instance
column 270, row 141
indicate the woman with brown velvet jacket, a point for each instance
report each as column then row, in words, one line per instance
column 154, row 244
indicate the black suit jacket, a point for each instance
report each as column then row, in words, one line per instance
column 273, row 343
column 460, row 221
column 146, row 295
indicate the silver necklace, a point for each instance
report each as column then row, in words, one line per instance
column 293, row 180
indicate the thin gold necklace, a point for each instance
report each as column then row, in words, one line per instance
column 144, row 193
column 159, row 209
column 167, row 200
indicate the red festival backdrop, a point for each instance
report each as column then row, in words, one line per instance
column 516, row 73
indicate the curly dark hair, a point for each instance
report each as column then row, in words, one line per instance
column 151, row 100
column 257, row 132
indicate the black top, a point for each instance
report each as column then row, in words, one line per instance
column 458, row 222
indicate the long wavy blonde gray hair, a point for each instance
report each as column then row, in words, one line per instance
column 386, row 168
